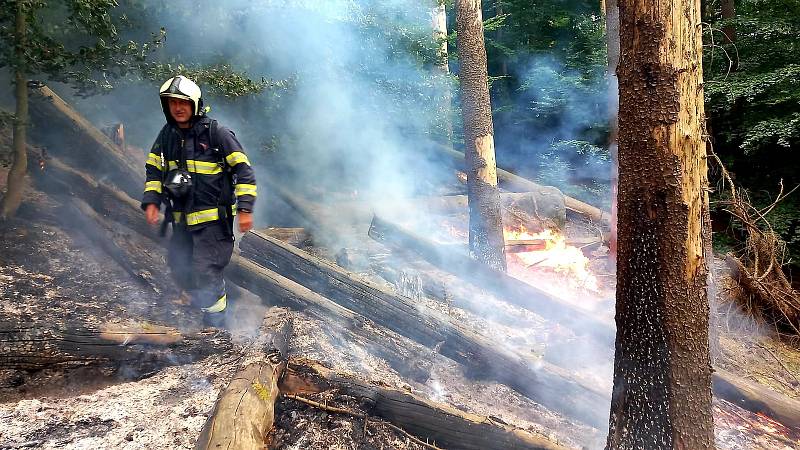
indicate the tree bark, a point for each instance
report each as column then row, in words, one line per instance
column 142, row 350
column 15, row 186
column 612, row 43
column 245, row 410
column 662, row 372
column 485, row 220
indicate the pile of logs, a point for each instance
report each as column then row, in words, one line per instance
column 289, row 277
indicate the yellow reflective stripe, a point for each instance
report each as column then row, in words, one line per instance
column 219, row 306
column 153, row 186
column 245, row 189
column 237, row 157
column 206, row 215
column 201, row 167
column 177, row 216
column 154, row 160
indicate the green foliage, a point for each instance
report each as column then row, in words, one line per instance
column 753, row 102
column 73, row 41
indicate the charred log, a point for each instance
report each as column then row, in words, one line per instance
column 514, row 291
column 516, row 183
column 756, row 398
column 430, row 421
column 245, row 410
column 551, row 386
column 89, row 147
column 144, row 349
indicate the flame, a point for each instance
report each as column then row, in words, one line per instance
column 566, row 261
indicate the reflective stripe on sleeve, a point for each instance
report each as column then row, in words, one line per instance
column 219, row 306
column 154, row 160
column 245, row 189
column 154, row 186
column 237, row 157
column 206, row 215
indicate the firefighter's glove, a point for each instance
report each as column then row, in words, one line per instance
column 245, row 221
column 151, row 213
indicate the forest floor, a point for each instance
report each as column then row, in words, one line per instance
column 51, row 273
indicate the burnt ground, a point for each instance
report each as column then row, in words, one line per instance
column 52, row 274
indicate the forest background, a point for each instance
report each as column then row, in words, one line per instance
column 261, row 62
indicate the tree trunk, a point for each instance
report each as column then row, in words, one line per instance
column 612, row 43
column 662, row 372
column 15, row 187
column 439, row 23
column 729, row 13
column 485, row 221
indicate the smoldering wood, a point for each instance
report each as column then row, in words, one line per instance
column 513, row 182
column 756, row 398
column 244, row 412
column 57, row 177
column 508, row 288
column 88, row 147
column 296, row 236
column 69, row 345
column 275, row 289
column 550, row 386
column 428, row 420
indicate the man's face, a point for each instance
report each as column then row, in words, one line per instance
column 180, row 110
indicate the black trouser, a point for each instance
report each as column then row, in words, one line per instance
column 197, row 259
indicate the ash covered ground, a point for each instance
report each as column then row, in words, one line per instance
column 51, row 274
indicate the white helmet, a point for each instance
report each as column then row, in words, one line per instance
column 183, row 88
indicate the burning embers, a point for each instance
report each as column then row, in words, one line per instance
column 546, row 259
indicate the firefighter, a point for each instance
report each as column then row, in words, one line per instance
column 198, row 169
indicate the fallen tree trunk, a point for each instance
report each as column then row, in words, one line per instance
column 88, row 147
column 142, row 349
column 756, row 398
column 512, row 182
column 516, row 292
column 538, row 380
column 245, row 410
column 432, row 422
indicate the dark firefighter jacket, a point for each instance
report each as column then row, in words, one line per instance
column 214, row 174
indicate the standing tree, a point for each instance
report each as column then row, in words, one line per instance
column 71, row 41
column 439, row 24
column 662, row 373
column 485, row 222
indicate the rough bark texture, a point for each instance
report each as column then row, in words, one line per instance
column 485, row 221
column 16, row 175
column 245, row 410
column 662, row 372
column 612, row 42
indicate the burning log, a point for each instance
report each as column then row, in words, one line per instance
column 142, row 347
column 433, row 422
column 550, row 386
column 516, row 183
column 245, row 410
column 89, row 147
column 514, row 291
